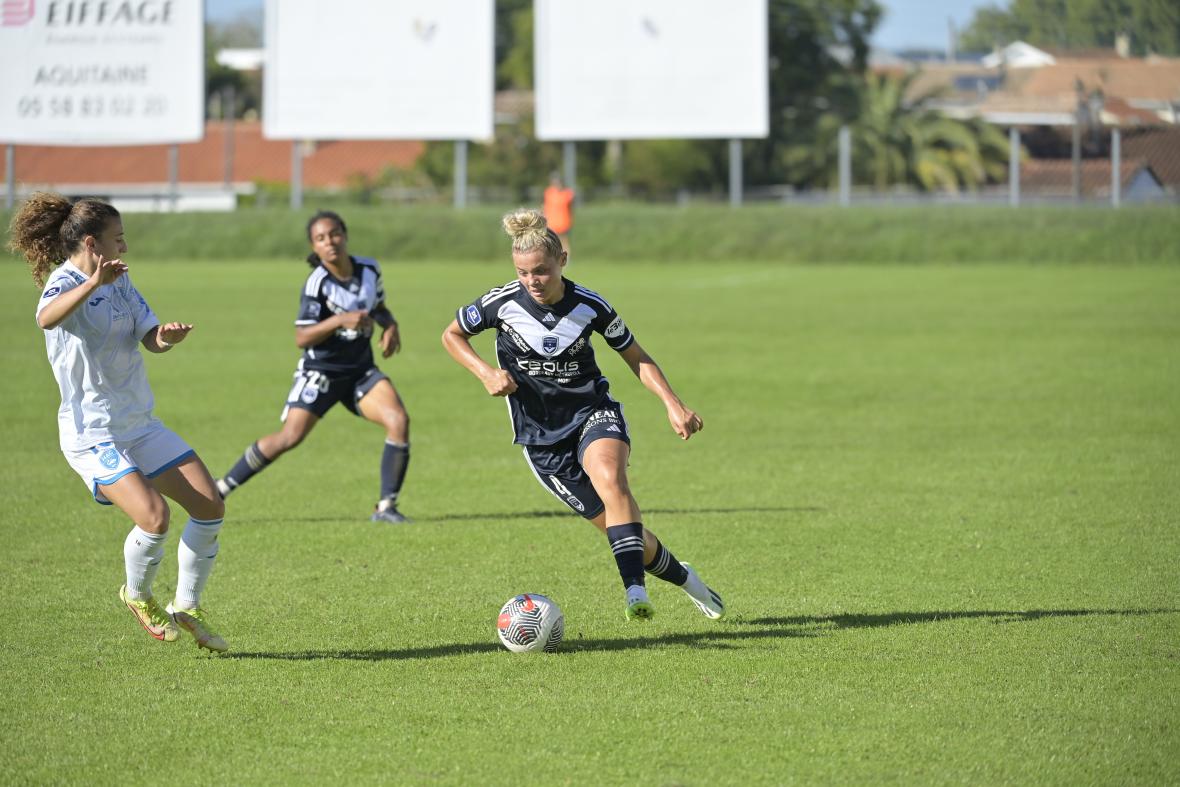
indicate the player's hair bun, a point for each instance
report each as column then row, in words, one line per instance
column 529, row 230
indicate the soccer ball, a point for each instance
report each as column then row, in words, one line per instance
column 529, row 623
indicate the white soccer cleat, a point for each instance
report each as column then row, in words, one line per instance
column 639, row 606
column 707, row 601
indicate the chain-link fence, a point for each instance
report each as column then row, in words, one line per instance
column 235, row 167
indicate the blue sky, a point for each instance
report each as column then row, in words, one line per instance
column 908, row 23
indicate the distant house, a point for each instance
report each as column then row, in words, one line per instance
column 1054, row 178
column 1018, row 54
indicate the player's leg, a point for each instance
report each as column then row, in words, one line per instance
column 377, row 400
column 143, row 549
column 298, row 421
column 190, row 484
column 605, row 462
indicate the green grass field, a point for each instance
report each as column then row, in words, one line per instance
column 941, row 503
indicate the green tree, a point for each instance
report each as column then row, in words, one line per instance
column 1152, row 25
column 898, row 142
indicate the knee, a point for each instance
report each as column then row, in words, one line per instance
column 614, row 485
column 154, row 518
column 210, row 508
column 397, row 422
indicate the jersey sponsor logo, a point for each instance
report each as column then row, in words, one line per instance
column 51, row 292
column 313, row 311
column 309, row 394
column 109, row 458
column 549, row 344
column 539, row 368
column 473, row 316
column 548, row 318
column 615, row 329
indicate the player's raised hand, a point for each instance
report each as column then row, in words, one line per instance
column 107, row 271
column 173, row 332
column 499, row 383
column 684, row 421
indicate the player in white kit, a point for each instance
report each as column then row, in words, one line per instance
column 95, row 321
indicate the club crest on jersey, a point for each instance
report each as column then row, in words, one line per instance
column 549, row 344
column 615, row 329
column 473, row 317
column 309, row 394
column 51, row 292
column 109, row 458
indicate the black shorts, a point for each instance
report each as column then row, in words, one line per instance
column 559, row 466
column 318, row 391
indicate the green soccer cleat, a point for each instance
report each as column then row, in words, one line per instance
column 706, row 599
column 195, row 622
column 639, row 607
column 155, row 621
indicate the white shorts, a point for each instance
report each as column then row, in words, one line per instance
column 151, row 454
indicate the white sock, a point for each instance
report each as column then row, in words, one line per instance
column 142, row 553
column 196, row 553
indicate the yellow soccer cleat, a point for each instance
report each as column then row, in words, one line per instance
column 155, row 621
column 195, row 622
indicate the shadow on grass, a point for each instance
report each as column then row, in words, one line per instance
column 725, row 636
column 556, row 514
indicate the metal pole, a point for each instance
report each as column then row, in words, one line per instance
column 296, row 175
column 228, row 113
column 1013, row 167
column 845, row 165
column 10, row 176
column 460, row 174
column 173, row 177
column 735, row 173
column 1076, row 155
column 1116, row 168
column 569, row 156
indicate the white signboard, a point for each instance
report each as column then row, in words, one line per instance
column 635, row 69
column 102, row 72
column 397, row 69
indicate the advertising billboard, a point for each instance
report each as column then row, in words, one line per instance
column 102, row 72
column 636, row 69
column 355, row 69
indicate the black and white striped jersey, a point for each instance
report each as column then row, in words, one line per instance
column 347, row 350
column 547, row 351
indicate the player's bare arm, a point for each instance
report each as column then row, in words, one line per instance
column 161, row 338
column 497, row 382
column 685, row 422
column 391, row 340
column 311, row 335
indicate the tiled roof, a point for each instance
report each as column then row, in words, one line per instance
column 1151, row 79
column 1160, row 147
column 329, row 164
column 1056, row 175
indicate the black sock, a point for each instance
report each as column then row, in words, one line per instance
column 665, row 566
column 394, row 461
column 251, row 463
column 626, row 541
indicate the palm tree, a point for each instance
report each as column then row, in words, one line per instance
column 895, row 141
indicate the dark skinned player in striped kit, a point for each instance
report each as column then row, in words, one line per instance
column 343, row 298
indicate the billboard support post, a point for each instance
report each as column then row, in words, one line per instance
column 844, row 155
column 460, row 174
column 735, row 173
column 296, row 175
column 173, row 177
column 569, row 160
column 1013, row 167
column 10, row 176
column 1116, row 166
